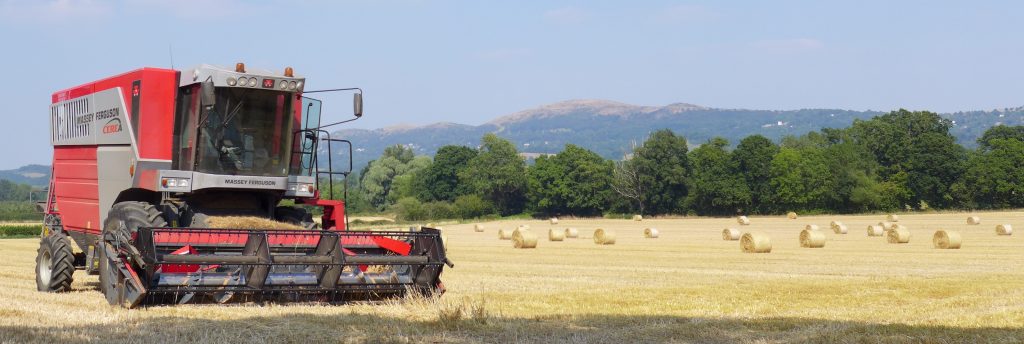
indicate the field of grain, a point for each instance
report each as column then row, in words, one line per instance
column 688, row 285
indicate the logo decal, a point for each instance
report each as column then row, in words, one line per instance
column 112, row 126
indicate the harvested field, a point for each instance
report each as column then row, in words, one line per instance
column 687, row 286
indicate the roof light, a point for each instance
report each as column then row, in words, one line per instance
column 288, row 72
column 240, row 67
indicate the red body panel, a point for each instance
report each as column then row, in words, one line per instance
column 75, row 188
column 156, row 106
column 75, row 182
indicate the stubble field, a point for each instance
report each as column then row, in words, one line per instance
column 686, row 286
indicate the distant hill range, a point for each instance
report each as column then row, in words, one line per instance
column 611, row 128
column 35, row 175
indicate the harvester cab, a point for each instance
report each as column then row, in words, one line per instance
column 181, row 186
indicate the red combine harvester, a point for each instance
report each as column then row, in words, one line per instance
column 142, row 160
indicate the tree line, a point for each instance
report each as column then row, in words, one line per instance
column 902, row 160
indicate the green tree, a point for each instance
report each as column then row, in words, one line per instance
column 800, row 179
column 854, row 184
column 379, row 180
column 662, row 168
column 917, row 143
column 753, row 159
column 498, row 175
column 575, row 181
column 994, row 178
column 402, row 153
column 716, row 186
column 934, row 163
column 1000, row 132
column 440, row 181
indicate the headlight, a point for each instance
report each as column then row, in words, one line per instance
column 291, row 85
column 252, row 82
column 284, row 84
column 298, row 85
column 242, row 81
column 232, row 81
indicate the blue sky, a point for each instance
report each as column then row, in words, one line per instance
column 470, row 61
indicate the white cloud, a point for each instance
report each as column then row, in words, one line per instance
column 790, row 45
column 687, row 14
column 566, row 15
column 196, row 9
column 53, row 11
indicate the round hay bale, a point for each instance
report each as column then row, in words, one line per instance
column 526, row 227
column 885, row 224
column 743, row 221
column 524, row 239
column 651, row 233
column 840, row 229
column 756, row 243
column 834, row 224
column 572, row 233
column 898, row 235
column 556, row 235
column 638, row 218
column 892, row 218
column 791, row 215
column 812, row 239
column 946, row 239
column 554, row 220
column 730, row 234
column 603, row 237
column 478, row 228
column 504, row 234
column 811, row 227
column 875, row 230
column 1004, row 230
column 973, row 220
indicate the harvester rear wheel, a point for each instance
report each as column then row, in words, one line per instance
column 134, row 215
column 55, row 263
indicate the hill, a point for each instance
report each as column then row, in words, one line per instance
column 35, row 175
column 610, row 128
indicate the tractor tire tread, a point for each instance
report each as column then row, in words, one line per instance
column 62, row 259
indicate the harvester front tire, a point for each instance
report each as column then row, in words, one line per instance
column 134, row 215
column 55, row 264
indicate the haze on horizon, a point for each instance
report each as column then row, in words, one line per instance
column 471, row 61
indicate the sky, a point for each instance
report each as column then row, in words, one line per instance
column 468, row 62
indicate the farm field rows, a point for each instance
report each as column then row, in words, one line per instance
column 686, row 286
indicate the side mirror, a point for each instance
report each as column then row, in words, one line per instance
column 208, row 97
column 357, row 104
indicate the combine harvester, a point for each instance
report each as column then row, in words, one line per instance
column 143, row 160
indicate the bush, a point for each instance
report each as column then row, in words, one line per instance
column 19, row 211
column 440, row 210
column 409, row 209
column 472, row 206
column 19, row 231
